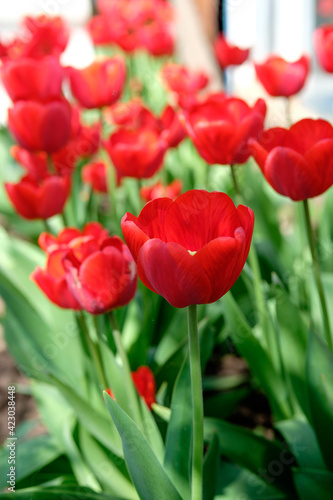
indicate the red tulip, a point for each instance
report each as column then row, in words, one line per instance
column 157, row 38
column 220, row 128
column 39, row 199
column 95, row 174
column 283, row 78
column 30, row 79
column 100, row 30
column 40, row 126
column 325, row 8
column 192, row 250
column 136, row 153
column 35, row 163
column 144, row 382
column 172, row 130
column 44, row 36
column 229, row 55
column 297, row 163
column 52, row 279
column 100, row 84
column 323, row 45
column 103, row 278
column 172, row 191
column 181, row 80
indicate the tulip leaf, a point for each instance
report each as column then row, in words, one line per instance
column 302, row 441
column 320, row 387
column 110, row 471
column 62, row 492
column 260, row 362
column 211, row 469
column 313, row 483
column 151, row 431
column 177, row 460
column 148, row 475
column 223, row 404
column 293, row 341
column 31, row 455
column 268, row 459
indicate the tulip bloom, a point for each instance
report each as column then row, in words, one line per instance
column 52, row 279
column 136, row 153
column 144, row 382
column 100, row 84
column 220, row 128
column 297, row 163
column 323, row 45
column 44, row 36
column 40, row 126
column 229, row 55
column 103, row 277
column 192, row 250
column 30, row 79
column 157, row 38
column 172, row 191
column 283, row 78
column 39, row 199
column 95, row 174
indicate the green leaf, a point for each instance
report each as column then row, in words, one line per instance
column 293, row 341
column 257, row 357
column 151, row 431
column 59, row 492
column 224, row 404
column 177, row 460
column 148, row 475
column 270, row 460
column 210, row 469
column 302, row 441
column 312, row 483
column 31, row 455
column 320, row 387
column 110, row 470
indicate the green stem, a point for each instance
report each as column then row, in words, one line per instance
column 317, row 275
column 235, row 183
column 133, row 396
column 64, row 219
column 197, row 401
column 48, row 227
column 88, row 206
column 93, row 350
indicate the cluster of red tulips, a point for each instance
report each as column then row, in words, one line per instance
column 81, row 134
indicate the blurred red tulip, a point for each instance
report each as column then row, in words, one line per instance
column 144, row 382
column 30, row 79
column 283, row 78
column 192, row 250
column 157, row 38
column 103, row 278
column 40, row 126
column 100, row 30
column 52, row 279
column 220, row 128
column 325, row 8
column 39, row 199
column 95, row 174
column 323, row 45
column 229, row 55
column 158, row 190
column 297, row 163
column 100, row 84
column 181, row 80
column 136, row 153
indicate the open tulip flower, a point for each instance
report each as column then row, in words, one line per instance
column 41, row 126
column 41, row 198
column 323, row 45
column 30, row 79
column 282, row 78
column 297, row 163
column 229, row 55
column 220, row 128
column 192, row 250
column 100, row 84
column 136, row 153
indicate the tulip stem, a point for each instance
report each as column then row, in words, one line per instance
column 197, row 401
column 288, row 112
column 235, row 183
column 93, row 350
column 48, row 227
column 132, row 393
column 317, row 275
